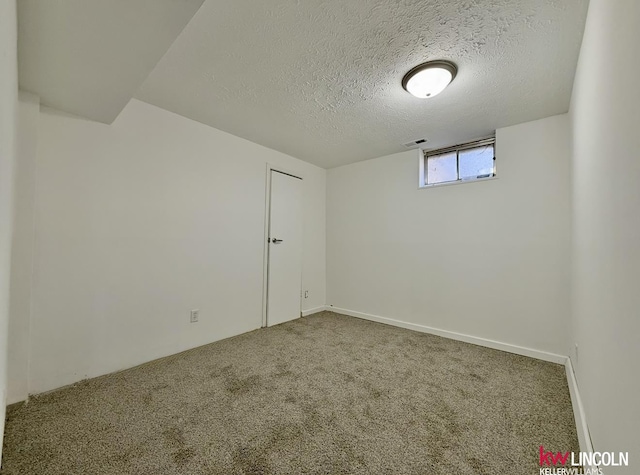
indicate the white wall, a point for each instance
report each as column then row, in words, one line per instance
column 488, row 259
column 605, row 116
column 137, row 223
column 22, row 247
column 8, row 119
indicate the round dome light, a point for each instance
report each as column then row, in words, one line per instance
column 429, row 79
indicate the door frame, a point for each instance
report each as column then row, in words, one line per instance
column 267, row 226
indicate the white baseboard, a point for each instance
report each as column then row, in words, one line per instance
column 496, row 345
column 311, row 311
column 578, row 410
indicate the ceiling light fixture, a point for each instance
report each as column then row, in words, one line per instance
column 429, row 79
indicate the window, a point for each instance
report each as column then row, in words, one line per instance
column 467, row 162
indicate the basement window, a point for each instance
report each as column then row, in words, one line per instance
column 467, row 162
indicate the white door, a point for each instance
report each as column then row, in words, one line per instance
column 285, row 249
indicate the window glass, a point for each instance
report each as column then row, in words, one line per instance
column 476, row 162
column 442, row 168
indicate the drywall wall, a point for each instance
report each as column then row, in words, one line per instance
column 605, row 115
column 22, row 247
column 8, row 128
column 488, row 259
column 141, row 221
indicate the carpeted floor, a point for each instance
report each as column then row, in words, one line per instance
column 325, row 394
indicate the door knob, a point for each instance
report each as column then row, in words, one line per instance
column 276, row 241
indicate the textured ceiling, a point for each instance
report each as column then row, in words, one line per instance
column 320, row 79
column 88, row 57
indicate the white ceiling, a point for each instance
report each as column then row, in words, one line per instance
column 317, row 79
column 320, row 79
column 89, row 57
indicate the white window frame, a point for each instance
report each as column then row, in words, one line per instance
column 425, row 154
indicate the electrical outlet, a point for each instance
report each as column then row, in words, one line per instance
column 306, row 294
column 195, row 315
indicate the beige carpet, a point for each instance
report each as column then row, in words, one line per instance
column 326, row 394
